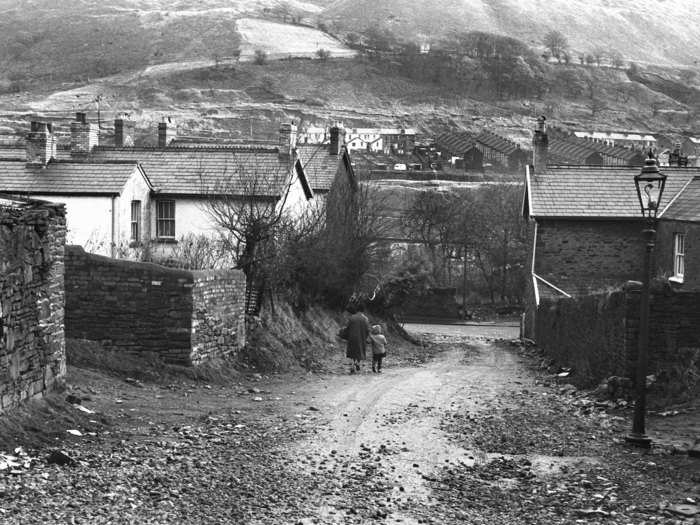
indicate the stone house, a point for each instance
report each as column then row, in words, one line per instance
column 587, row 227
column 122, row 195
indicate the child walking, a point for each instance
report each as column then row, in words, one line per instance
column 378, row 348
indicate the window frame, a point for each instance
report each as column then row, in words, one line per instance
column 165, row 224
column 679, row 256
column 135, row 220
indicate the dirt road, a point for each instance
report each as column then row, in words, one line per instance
column 472, row 434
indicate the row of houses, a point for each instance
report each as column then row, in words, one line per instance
column 122, row 194
column 396, row 141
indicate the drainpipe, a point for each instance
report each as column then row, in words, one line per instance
column 113, row 243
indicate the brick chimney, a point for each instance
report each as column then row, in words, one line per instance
column 166, row 132
column 540, row 146
column 288, row 139
column 337, row 140
column 40, row 144
column 83, row 136
column 124, row 129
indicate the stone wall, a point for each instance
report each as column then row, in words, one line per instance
column 32, row 343
column 186, row 317
column 586, row 333
column 597, row 335
column 586, row 256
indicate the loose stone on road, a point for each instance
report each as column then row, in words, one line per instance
column 470, row 432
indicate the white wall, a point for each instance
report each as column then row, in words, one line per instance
column 135, row 189
column 191, row 218
column 89, row 221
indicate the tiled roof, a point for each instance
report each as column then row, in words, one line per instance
column 686, row 205
column 65, row 177
column 496, row 142
column 319, row 165
column 595, row 191
column 194, row 171
column 456, row 143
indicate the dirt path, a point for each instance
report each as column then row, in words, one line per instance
column 472, row 435
column 401, row 411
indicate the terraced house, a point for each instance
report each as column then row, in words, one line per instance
column 121, row 196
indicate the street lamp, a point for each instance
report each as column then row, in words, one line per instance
column 650, row 187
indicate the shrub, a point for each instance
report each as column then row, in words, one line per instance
column 323, row 54
column 260, row 57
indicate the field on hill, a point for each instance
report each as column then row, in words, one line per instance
column 283, row 40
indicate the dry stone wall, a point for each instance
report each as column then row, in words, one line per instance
column 186, row 317
column 32, row 343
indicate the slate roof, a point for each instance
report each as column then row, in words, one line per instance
column 457, row 143
column 496, row 142
column 65, row 177
column 194, row 171
column 594, row 192
column 319, row 165
column 686, row 205
column 566, row 152
column 13, row 152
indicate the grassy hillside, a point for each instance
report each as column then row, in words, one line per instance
column 249, row 100
column 76, row 40
column 152, row 57
column 647, row 31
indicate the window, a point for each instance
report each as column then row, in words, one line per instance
column 678, row 255
column 165, row 219
column 135, row 220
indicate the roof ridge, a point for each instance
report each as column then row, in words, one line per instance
column 205, row 147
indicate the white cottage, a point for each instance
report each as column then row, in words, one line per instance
column 105, row 201
column 120, row 196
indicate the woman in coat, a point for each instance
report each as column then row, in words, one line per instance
column 356, row 332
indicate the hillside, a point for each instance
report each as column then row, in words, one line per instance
column 645, row 31
column 77, row 40
column 151, row 58
column 246, row 100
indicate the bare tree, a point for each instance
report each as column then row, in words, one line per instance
column 616, row 59
column 433, row 219
column 598, row 54
column 247, row 204
column 556, row 43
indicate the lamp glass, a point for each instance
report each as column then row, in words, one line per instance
column 650, row 185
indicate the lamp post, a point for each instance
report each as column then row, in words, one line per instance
column 650, row 187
